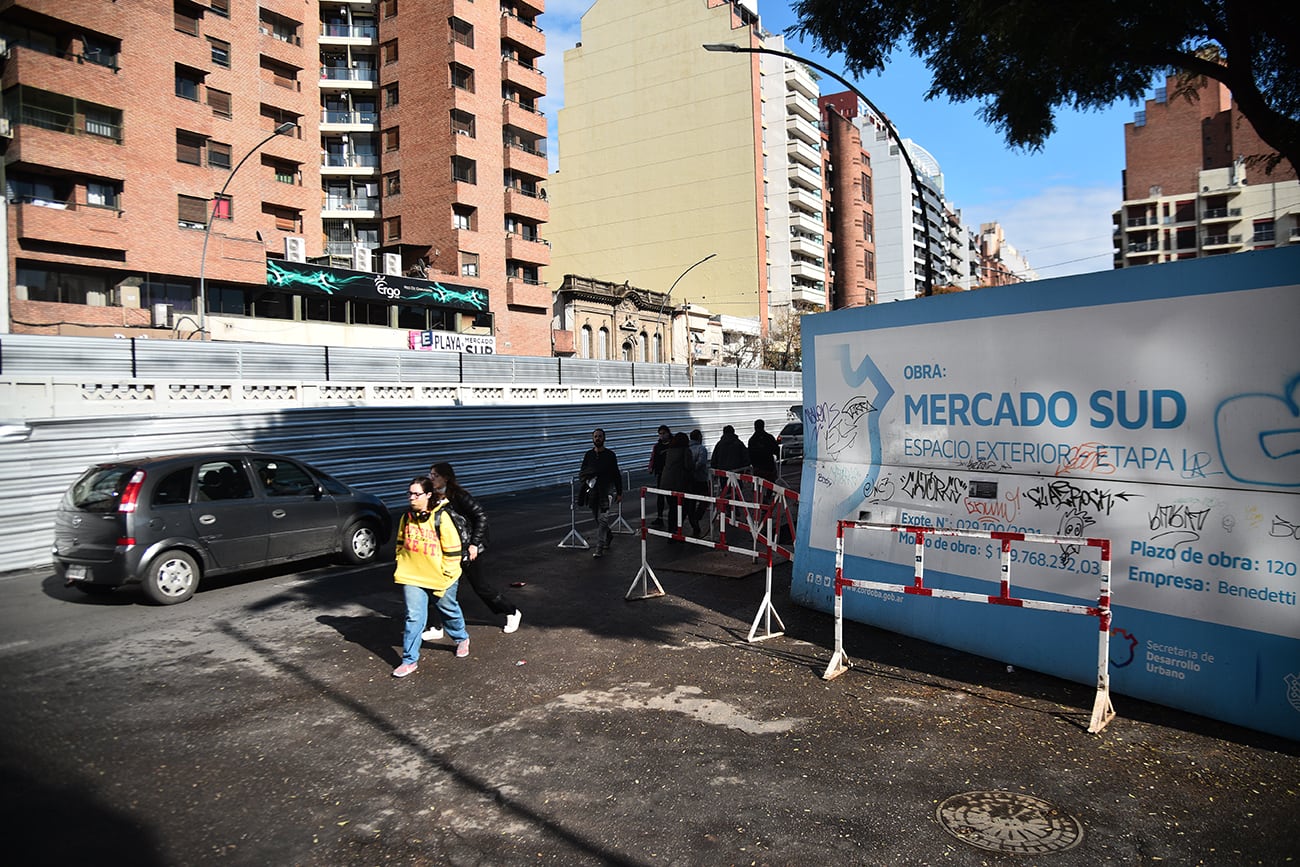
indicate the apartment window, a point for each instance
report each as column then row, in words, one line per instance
column 463, row 123
column 462, row 32
column 392, row 228
column 392, row 139
column 868, row 226
column 866, row 187
column 279, row 27
column 191, row 212
column 223, row 207
column 185, row 17
column 393, row 184
column 100, row 51
column 389, row 51
column 412, row 317
column 464, row 217
column 389, row 8
column 462, row 77
column 284, row 173
column 286, row 219
column 189, row 148
column 187, row 82
column 281, row 75
column 324, row 308
column 104, row 122
column 869, row 264
column 390, row 95
column 1265, row 231
column 218, row 155
column 220, row 7
column 468, row 264
column 464, row 170
column 219, row 101
column 72, row 286
column 102, row 195
column 220, row 52
column 371, row 313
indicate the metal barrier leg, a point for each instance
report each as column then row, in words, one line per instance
column 839, row 661
column 574, row 539
column 621, row 526
column 1102, row 710
column 765, row 609
column 645, row 572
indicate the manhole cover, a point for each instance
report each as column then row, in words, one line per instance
column 1007, row 822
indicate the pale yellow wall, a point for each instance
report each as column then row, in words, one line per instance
column 657, row 155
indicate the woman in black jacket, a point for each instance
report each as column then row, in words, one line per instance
column 444, row 481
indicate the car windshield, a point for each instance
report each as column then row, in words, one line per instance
column 99, row 489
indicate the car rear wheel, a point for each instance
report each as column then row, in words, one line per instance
column 360, row 543
column 173, row 577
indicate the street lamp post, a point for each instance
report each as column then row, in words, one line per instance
column 889, row 127
column 659, row 319
column 283, row 129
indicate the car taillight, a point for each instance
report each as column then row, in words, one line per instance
column 126, row 541
column 132, row 492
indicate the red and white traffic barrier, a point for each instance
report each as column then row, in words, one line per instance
column 731, row 509
column 1102, row 711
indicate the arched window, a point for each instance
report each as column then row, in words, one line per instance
column 659, row 349
column 628, row 349
column 584, row 349
column 645, row 347
column 602, row 344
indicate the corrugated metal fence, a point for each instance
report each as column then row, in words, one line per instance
column 498, row 446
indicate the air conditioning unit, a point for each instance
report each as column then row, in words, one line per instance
column 162, row 316
column 6, row 131
column 393, row 264
column 361, row 258
column 295, row 248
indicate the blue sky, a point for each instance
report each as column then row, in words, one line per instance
column 1055, row 205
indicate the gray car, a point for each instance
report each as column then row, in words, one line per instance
column 166, row 522
column 790, row 439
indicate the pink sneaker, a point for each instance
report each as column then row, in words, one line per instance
column 405, row 668
column 462, row 649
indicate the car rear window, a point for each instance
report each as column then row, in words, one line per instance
column 793, row 429
column 100, row 488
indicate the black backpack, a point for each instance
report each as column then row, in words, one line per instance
column 461, row 523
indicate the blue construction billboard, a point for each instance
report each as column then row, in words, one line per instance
column 1157, row 407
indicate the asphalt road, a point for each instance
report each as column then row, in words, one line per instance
column 258, row 724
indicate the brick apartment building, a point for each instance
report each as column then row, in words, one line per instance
column 1193, row 186
column 349, row 203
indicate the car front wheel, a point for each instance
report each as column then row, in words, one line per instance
column 173, row 577
column 360, row 543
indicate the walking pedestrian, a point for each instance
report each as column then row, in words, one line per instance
column 763, row 452
column 730, row 453
column 428, row 561
column 656, row 467
column 677, row 475
column 699, row 479
column 471, row 563
column 602, row 483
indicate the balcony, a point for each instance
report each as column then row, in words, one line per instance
column 527, row 36
column 1142, row 247
column 798, row 78
column 350, row 208
column 1221, row 241
column 1210, row 215
column 807, row 270
column 531, row 251
column 363, row 165
column 807, row 246
column 803, row 153
column 524, row 293
column 68, row 223
column 348, row 78
column 522, row 76
column 525, row 160
column 798, row 105
column 528, row 119
column 349, row 34
column 807, row 223
column 349, row 121
column 806, row 200
column 809, row 179
column 803, row 130
column 530, row 206
column 1137, row 222
column 46, row 138
column 69, row 74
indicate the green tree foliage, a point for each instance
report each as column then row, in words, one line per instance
column 1024, row 59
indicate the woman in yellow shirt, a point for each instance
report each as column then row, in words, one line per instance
column 428, row 561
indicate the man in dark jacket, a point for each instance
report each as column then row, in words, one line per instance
column 763, row 452
column 656, row 466
column 730, row 453
column 601, row 479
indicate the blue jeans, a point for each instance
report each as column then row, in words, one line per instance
column 417, row 614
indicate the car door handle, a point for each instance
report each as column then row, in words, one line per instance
column 277, row 513
column 207, row 519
